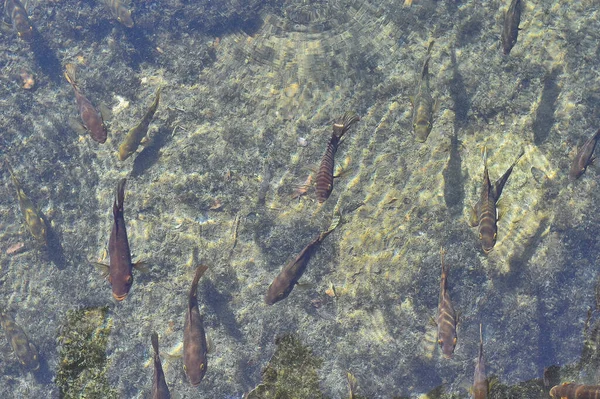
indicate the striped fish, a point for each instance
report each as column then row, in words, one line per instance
column 120, row 12
column 423, row 103
column 446, row 319
column 325, row 173
column 584, row 157
column 195, row 348
column 575, row 391
column 484, row 214
column 510, row 29
column 25, row 351
column 20, row 20
column 480, row 383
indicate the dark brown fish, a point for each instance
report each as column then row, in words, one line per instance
column 92, row 119
column 20, row 20
column 446, row 319
column 160, row 390
column 584, row 157
column 120, row 268
column 35, row 223
column 575, row 391
column 510, row 29
column 288, row 277
column 25, row 351
column 480, row 382
column 484, row 214
column 423, row 103
column 325, row 173
column 195, row 348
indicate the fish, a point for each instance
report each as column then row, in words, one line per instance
column 20, row 20
column 195, row 348
column 289, row 275
column 446, row 319
column 120, row 12
column 480, row 382
column 26, row 352
column 423, row 104
column 136, row 135
column 92, row 119
column 352, row 385
column 120, row 266
column 575, row 391
column 160, row 390
column 510, row 29
column 485, row 214
column 34, row 222
column 584, row 157
column 324, row 180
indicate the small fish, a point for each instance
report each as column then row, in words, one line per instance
column 160, row 390
column 135, row 135
column 120, row 12
column 120, row 268
column 25, row 351
column 485, row 214
column 288, row 277
column 575, row 391
column 92, row 119
column 20, row 20
column 195, row 348
column 480, row 382
column 423, row 103
column 510, row 29
column 325, row 174
column 352, row 385
column 446, row 319
column 35, row 223
column 584, row 157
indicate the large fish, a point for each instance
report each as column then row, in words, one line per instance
column 160, row 390
column 120, row 268
column 92, row 119
column 584, row 157
column 325, row 174
column 288, row 277
column 484, row 214
column 423, row 104
column 575, row 391
column 25, row 351
column 195, row 349
column 136, row 134
column 35, row 223
column 510, row 28
column 446, row 319
column 480, row 382
column 20, row 20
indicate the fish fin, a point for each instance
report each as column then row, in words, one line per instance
column 71, row 74
column 352, row 384
column 102, row 268
column 141, row 266
column 77, row 126
column 105, row 112
column 499, row 210
column 210, row 345
column 473, row 218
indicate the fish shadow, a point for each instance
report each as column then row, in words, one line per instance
column 544, row 116
column 151, row 153
column 45, row 58
column 54, row 249
column 218, row 302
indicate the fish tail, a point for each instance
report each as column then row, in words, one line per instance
column 445, row 269
column 425, row 69
column 597, row 135
column 519, row 157
column 343, row 123
column 120, row 194
column 154, row 339
column 70, row 75
column 480, row 339
column 199, row 272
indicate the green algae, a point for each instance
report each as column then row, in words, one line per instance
column 291, row 372
column 82, row 369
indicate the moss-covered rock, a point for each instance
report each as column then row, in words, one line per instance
column 82, row 369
